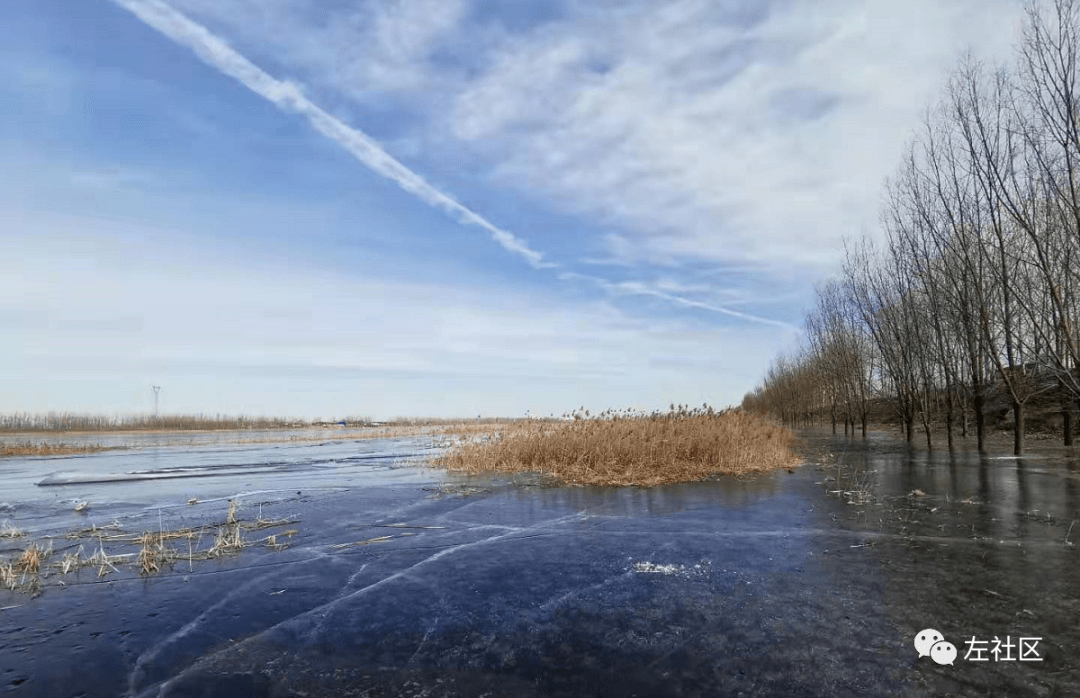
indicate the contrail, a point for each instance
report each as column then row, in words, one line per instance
column 638, row 289
column 288, row 97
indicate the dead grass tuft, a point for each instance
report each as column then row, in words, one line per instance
column 629, row 448
column 153, row 551
column 152, row 554
column 29, row 563
column 272, row 541
column 8, row 578
column 229, row 539
column 71, row 561
column 103, row 561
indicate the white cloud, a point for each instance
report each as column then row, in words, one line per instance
column 718, row 132
column 705, row 140
column 88, row 302
column 366, row 50
column 287, row 96
column 412, row 42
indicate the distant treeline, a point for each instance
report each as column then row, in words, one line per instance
column 443, row 421
column 73, row 421
column 972, row 300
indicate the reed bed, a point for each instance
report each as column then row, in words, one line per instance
column 28, row 447
column 17, row 449
column 629, row 448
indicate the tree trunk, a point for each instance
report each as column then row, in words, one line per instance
column 909, row 426
column 1018, row 429
column 864, row 424
column 949, row 426
column 980, row 422
column 1066, row 424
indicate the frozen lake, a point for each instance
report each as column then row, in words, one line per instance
column 130, row 484
column 404, row 581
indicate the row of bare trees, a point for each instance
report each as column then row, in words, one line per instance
column 968, row 297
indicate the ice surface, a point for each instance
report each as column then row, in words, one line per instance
column 404, row 581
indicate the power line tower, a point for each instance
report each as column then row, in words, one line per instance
column 156, row 389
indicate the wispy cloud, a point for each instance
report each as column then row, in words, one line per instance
column 715, row 132
column 298, row 338
column 704, row 136
column 662, row 290
column 287, row 96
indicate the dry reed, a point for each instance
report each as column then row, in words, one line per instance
column 103, row 561
column 71, row 561
column 9, row 531
column 229, row 539
column 629, row 448
column 33, row 448
column 8, row 578
column 154, row 550
column 152, row 553
column 29, row 563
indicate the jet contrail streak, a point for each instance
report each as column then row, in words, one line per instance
column 288, row 97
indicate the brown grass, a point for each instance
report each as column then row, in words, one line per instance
column 154, row 551
column 9, row 447
column 229, row 539
column 41, row 448
column 29, row 563
column 628, row 448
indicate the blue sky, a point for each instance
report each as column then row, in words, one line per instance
column 440, row 207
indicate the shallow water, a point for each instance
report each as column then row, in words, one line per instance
column 806, row 584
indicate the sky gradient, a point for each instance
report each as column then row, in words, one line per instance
column 440, row 207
